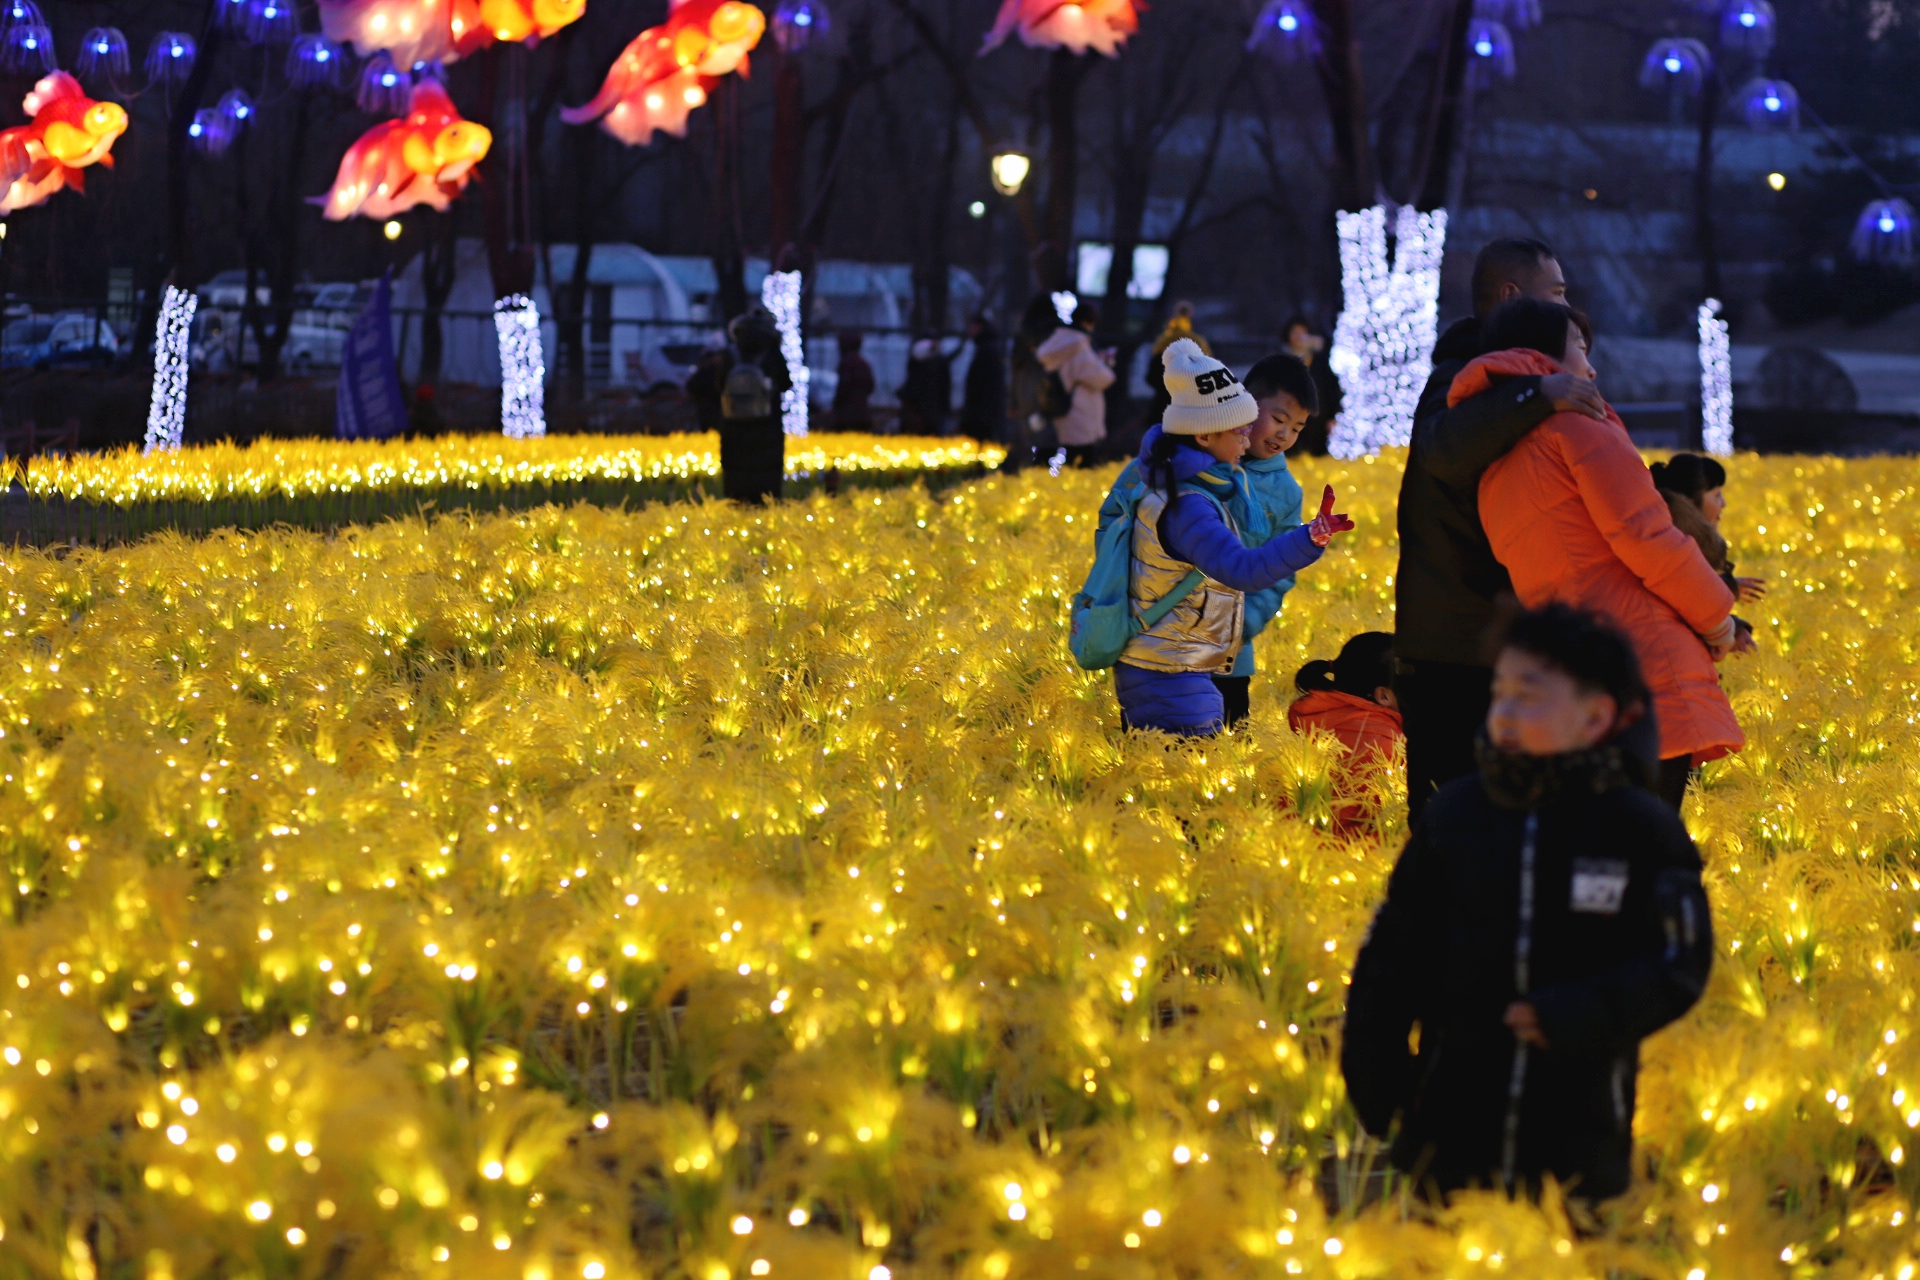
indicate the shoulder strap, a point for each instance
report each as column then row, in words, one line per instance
column 1150, row 617
column 1165, row 604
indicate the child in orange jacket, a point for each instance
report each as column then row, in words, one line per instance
column 1351, row 697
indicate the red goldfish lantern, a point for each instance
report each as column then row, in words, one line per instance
column 668, row 70
column 1075, row 25
column 415, row 31
column 425, row 157
column 70, row 131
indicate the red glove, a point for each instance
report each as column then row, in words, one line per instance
column 1328, row 522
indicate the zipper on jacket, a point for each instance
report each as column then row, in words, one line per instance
column 1522, row 981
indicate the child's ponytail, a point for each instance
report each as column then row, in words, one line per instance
column 1315, row 677
column 1364, row 665
column 1159, row 461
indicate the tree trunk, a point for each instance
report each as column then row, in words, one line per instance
column 1444, row 132
column 439, row 258
column 509, row 209
column 283, row 257
column 729, row 250
column 570, row 304
column 1703, row 189
column 789, row 150
column 932, row 297
column 1054, row 253
column 180, row 145
column 1346, row 95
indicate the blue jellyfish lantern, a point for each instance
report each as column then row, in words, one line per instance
column 269, row 21
column 1515, row 15
column 1884, row 232
column 1679, row 64
column 799, row 23
column 237, row 107
column 384, row 88
column 231, row 14
column 313, row 61
column 210, row 131
column 1769, row 104
column 27, row 48
column 1285, row 32
column 21, row 13
column 1489, row 53
column 103, row 52
column 170, row 58
column 1748, row 25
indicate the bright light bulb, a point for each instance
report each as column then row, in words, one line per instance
column 1672, row 64
column 1777, row 181
column 1010, row 170
column 392, row 229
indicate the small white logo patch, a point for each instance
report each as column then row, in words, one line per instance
column 1598, row 886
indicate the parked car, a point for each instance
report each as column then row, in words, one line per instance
column 67, row 340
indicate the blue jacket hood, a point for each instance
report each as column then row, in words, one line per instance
column 1188, row 460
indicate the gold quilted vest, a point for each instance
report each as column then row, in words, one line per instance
column 1202, row 632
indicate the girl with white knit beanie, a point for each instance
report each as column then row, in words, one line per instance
column 1164, row 678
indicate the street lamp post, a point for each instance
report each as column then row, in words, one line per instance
column 1009, row 168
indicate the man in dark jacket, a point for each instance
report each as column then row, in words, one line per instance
column 1545, row 917
column 1448, row 580
column 738, row 388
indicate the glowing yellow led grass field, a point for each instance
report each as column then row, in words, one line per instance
column 303, row 468
column 708, row 893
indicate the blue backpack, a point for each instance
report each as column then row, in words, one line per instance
column 1103, row 616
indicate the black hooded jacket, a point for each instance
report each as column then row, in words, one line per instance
column 1448, row 580
column 1619, row 944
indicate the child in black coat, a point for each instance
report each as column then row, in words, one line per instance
column 1544, row 918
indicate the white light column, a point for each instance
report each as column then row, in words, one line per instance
column 780, row 294
column 1716, row 381
column 523, row 369
column 172, row 340
column 1388, row 321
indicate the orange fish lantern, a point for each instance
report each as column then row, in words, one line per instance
column 70, row 132
column 415, row 31
column 1100, row 25
column 668, row 70
column 425, row 157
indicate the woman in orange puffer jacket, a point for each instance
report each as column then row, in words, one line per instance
column 1573, row 515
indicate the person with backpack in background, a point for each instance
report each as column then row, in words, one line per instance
column 926, row 398
column 1266, row 501
column 1034, row 395
column 983, row 399
column 853, row 392
column 1545, row 917
column 1073, row 367
column 741, row 388
column 1188, row 572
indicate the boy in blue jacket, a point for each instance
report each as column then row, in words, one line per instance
column 1267, row 503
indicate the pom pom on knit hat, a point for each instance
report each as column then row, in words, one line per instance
column 1206, row 396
